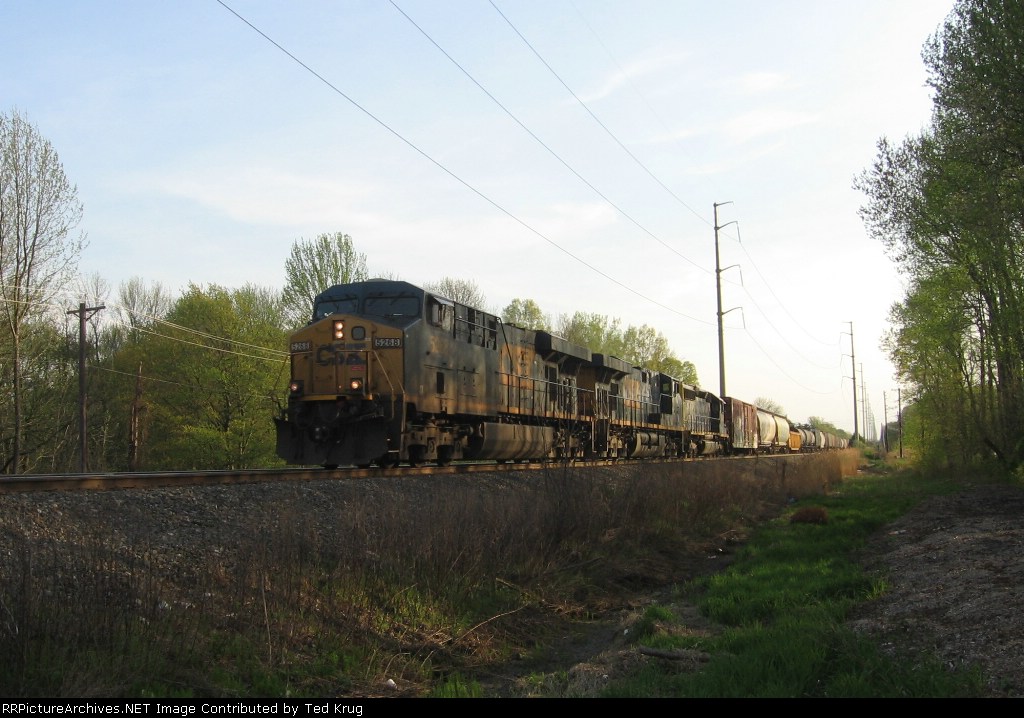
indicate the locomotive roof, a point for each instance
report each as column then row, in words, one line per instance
column 369, row 288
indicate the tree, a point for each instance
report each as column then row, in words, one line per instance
column 139, row 305
column 214, row 375
column 816, row 422
column 642, row 346
column 463, row 291
column 683, row 370
column 313, row 266
column 525, row 313
column 771, row 405
column 39, row 210
column 594, row 331
column 949, row 207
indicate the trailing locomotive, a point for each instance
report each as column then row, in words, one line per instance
column 387, row 372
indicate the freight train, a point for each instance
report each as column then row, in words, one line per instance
column 388, row 373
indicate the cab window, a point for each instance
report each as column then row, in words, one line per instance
column 346, row 305
column 389, row 307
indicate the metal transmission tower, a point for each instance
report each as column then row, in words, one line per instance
column 853, row 366
column 718, row 288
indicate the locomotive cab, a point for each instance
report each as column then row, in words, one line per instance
column 346, row 397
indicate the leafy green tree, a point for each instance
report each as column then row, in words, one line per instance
column 594, row 331
column 313, row 266
column 685, row 371
column 213, row 378
column 949, row 207
column 816, row 422
column 525, row 313
column 643, row 346
column 39, row 211
column 938, row 349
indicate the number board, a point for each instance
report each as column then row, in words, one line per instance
column 387, row 342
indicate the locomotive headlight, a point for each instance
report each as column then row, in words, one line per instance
column 356, row 385
column 339, row 329
column 295, row 387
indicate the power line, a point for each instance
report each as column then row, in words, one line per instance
column 545, row 145
column 653, row 176
column 595, row 117
column 454, row 176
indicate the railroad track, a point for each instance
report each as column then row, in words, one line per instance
column 143, row 480
column 24, row 483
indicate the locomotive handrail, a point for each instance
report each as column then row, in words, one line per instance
column 391, row 385
column 387, row 378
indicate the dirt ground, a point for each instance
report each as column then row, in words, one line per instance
column 954, row 568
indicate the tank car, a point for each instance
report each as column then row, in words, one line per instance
column 773, row 432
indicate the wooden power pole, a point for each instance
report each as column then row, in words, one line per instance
column 84, row 313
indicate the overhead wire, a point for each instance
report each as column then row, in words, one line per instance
column 508, row 213
column 543, row 144
column 487, row 198
column 641, row 164
column 276, row 354
column 595, row 117
column 651, row 174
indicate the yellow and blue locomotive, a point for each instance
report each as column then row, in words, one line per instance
column 387, row 372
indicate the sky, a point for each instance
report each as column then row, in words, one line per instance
column 571, row 152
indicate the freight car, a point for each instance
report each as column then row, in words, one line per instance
column 386, row 372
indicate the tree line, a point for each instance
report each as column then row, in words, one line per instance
column 177, row 382
column 948, row 205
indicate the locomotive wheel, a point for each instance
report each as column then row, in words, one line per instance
column 389, row 461
column 417, row 455
column 444, row 455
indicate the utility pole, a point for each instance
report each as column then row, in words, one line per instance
column 864, row 403
column 718, row 288
column 853, row 366
column 84, row 313
column 135, row 423
column 899, row 417
column 885, row 422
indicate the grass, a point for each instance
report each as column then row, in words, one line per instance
column 782, row 605
column 421, row 597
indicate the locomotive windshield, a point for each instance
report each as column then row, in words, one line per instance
column 386, row 307
column 397, row 302
column 344, row 305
